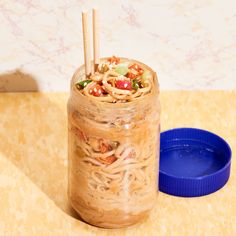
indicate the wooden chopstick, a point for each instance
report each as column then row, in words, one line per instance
column 87, row 56
column 95, row 38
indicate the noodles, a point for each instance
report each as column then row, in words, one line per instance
column 112, row 152
column 111, row 86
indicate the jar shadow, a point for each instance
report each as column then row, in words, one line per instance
column 33, row 134
column 17, row 81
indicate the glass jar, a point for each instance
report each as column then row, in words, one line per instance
column 113, row 156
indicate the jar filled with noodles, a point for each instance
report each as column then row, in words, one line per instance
column 114, row 136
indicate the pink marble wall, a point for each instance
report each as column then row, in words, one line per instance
column 191, row 44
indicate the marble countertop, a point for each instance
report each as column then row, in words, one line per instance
column 33, row 168
column 190, row 43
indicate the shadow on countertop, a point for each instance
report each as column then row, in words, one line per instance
column 18, row 81
column 33, row 135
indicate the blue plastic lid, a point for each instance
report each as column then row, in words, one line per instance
column 193, row 162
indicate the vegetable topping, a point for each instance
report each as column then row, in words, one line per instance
column 97, row 90
column 84, row 83
column 124, row 84
column 115, row 60
column 113, row 76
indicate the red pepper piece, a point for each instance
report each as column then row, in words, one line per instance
column 108, row 160
column 97, row 90
column 124, row 84
column 114, row 59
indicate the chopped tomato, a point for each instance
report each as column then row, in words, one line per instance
column 111, row 159
column 97, row 90
column 103, row 146
column 137, row 68
column 108, row 160
column 124, row 84
column 114, row 59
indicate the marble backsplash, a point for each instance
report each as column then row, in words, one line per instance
column 191, row 44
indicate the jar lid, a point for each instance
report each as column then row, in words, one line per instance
column 193, row 162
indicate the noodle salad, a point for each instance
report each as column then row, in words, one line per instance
column 117, row 81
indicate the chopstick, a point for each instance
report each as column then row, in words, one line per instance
column 95, row 38
column 87, row 56
column 87, row 53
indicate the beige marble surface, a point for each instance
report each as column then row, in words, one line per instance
column 190, row 43
column 33, row 169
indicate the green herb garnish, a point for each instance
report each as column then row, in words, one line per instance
column 84, row 83
column 135, row 84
